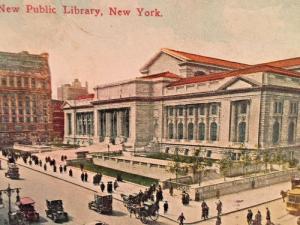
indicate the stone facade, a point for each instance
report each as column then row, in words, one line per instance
column 25, row 98
column 228, row 107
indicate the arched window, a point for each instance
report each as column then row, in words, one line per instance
column 191, row 131
column 171, row 136
column 242, row 132
column 180, row 130
column 275, row 138
column 201, row 131
column 291, row 132
column 213, row 131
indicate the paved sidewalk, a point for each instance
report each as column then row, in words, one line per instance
column 192, row 212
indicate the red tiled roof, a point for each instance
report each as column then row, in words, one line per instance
column 248, row 70
column 163, row 74
column 285, row 62
column 204, row 59
column 88, row 96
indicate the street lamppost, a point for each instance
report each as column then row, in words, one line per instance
column 9, row 192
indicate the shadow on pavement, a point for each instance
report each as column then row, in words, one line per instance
column 118, row 213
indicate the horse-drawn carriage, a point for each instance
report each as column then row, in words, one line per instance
column 55, row 211
column 13, row 171
column 144, row 211
column 102, row 204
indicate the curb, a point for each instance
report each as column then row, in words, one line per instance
column 163, row 216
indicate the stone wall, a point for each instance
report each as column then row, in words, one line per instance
column 152, row 170
column 231, row 187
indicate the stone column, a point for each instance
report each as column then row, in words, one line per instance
column 120, row 123
column 96, row 126
column 196, row 127
column 185, row 123
column 175, row 124
column 108, row 124
column 165, row 126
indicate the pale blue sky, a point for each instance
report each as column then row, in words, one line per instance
column 107, row 49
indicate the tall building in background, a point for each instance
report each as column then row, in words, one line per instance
column 25, row 98
column 72, row 91
column 58, row 120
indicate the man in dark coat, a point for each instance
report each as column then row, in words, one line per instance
column 102, row 186
column 82, row 177
column 70, row 173
column 249, row 216
column 268, row 215
column 85, row 177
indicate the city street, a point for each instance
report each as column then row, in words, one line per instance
column 41, row 187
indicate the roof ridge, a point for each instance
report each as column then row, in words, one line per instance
column 210, row 57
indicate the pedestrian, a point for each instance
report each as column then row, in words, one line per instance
column 283, row 195
column 102, row 186
column 206, row 210
column 82, row 177
column 116, row 185
column 65, row 168
column 85, row 177
column 181, row 218
column 257, row 218
column 81, row 166
column 166, row 207
column 45, row 166
column 54, row 169
column 171, row 190
column 70, row 173
column 268, row 215
column 219, row 207
column 60, row 169
column 203, row 206
column 62, row 158
column 249, row 216
column 218, row 221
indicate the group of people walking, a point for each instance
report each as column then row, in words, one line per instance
column 257, row 218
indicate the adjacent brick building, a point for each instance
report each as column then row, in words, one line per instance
column 25, row 98
column 58, row 120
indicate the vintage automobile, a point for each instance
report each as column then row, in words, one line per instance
column 26, row 207
column 55, row 211
column 13, row 171
column 102, row 204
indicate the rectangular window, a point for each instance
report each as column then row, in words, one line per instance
column 11, row 81
column 19, row 82
column 33, row 83
column 191, row 111
column 21, row 119
column 278, row 107
column 180, row 111
column 170, row 111
column 214, row 109
column 3, row 81
column 202, row 110
column 293, row 108
column 26, row 81
column 243, row 108
column 28, row 119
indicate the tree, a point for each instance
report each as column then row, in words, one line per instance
column 225, row 166
column 266, row 159
column 175, row 167
column 246, row 161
